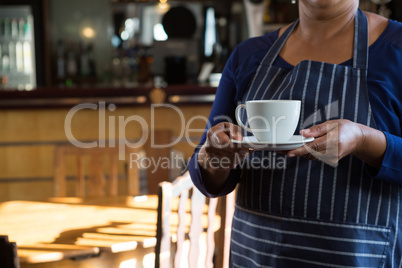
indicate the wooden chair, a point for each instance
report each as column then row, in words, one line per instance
column 8, row 253
column 96, row 171
column 96, row 167
column 196, row 216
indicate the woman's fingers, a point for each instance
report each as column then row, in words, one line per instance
column 235, row 132
column 320, row 130
column 325, row 145
column 317, row 145
column 334, row 140
column 220, row 135
column 221, row 152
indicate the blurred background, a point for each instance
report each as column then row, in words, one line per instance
column 135, row 80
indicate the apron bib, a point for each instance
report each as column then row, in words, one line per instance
column 304, row 213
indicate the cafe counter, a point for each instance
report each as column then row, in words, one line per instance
column 136, row 96
column 34, row 122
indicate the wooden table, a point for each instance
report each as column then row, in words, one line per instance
column 65, row 228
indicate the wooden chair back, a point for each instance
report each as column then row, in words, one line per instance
column 96, row 170
column 196, row 217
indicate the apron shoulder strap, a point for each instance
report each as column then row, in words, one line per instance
column 273, row 52
column 360, row 51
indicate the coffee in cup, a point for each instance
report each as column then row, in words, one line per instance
column 271, row 121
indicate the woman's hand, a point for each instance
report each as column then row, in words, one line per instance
column 218, row 151
column 336, row 139
column 218, row 154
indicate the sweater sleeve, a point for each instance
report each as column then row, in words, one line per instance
column 385, row 92
column 391, row 169
column 222, row 110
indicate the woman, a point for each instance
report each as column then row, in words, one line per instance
column 345, row 65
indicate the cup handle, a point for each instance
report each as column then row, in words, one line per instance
column 239, row 122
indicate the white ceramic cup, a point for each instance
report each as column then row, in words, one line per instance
column 272, row 121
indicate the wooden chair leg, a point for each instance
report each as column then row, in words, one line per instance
column 114, row 186
column 80, row 180
column 59, row 173
column 133, row 173
column 96, row 176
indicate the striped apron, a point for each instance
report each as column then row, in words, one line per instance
column 293, row 212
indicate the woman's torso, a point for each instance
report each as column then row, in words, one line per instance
column 309, row 193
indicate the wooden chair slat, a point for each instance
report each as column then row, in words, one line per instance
column 197, row 225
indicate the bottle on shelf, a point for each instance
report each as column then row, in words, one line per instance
column 84, row 60
column 71, row 61
column 61, row 63
column 3, row 81
column 5, row 59
column 91, row 60
column 6, row 27
column 14, row 28
column 1, row 57
column 12, row 57
column 27, row 57
column 21, row 27
column 144, row 65
column 27, row 28
column 19, row 57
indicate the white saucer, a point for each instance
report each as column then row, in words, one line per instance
column 294, row 142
